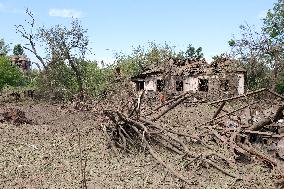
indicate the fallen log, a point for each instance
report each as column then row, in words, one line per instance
column 239, row 96
column 227, row 114
column 219, row 109
column 169, row 108
column 170, row 101
column 264, row 134
column 268, row 120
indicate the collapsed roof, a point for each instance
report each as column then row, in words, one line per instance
column 188, row 67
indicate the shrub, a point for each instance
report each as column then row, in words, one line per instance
column 9, row 74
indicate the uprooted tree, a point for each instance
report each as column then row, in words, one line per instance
column 132, row 127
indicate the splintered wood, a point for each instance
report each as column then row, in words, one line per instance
column 226, row 130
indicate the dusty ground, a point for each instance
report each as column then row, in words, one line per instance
column 46, row 154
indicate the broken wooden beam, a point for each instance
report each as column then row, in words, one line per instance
column 219, row 109
column 268, row 120
column 259, row 154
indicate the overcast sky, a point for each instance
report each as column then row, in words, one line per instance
column 119, row 25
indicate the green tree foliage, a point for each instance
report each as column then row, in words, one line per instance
column 142, row 57
column 249, row 51
column 63, row 45
column 9, row 74
column 153, row 55
column 67, row 44
column 4, row 48
column 57, row 83
column 273, row 27
column 280, row 84
column 274, row 22
column 262, row 52
column 193, row 53
column 18, row 50
column 96, row 79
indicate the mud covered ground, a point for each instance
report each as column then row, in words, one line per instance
column 46, row 153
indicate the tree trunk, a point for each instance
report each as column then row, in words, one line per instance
column 78, row 77
column 276, row 68
column 268, row 120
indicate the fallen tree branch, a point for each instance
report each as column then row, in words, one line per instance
column 264, row 134
column 266, row 121
column 219, row 109
column 239, row 96
column 195, row 137
column 169, row 108
column 259, row 154
column 276, row 94
column 142, row 133
column 168, row 102
column 220, row 168
column 227, row 114
column 158, row 158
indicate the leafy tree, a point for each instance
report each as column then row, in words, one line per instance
column 97, row 79
column 194, row 54
column 9, row 74
column 66, row 44
column 274, row 21
column 262, row 52
column 153, row 55
column 4, row 48
column 18, row 50
column 57, row 83
column 280, row 84
column 249, row 50
column 273, row 27
column 63, row 46
column 159, row 54
column 142, row 57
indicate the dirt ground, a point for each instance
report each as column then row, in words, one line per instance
column 46, row 153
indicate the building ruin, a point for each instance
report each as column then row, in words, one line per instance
column 22, row 61
column 222, row 78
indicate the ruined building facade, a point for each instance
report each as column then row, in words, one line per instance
column 221, row 78
column 22, row 61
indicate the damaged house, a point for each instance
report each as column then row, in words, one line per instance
column 221, row 78
column 22, row 61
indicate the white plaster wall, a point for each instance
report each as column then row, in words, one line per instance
column 150, row 84
column 191, row 84
column 241, row 85
column 186, row 85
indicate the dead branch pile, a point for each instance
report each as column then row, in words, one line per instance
column 14, row 116
column 143, row 129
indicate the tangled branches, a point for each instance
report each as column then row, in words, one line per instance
column 144, row 130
